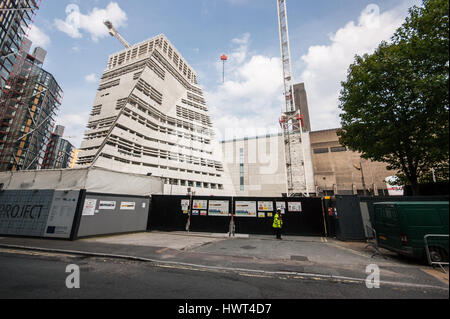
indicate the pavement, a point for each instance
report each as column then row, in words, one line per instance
column 310, row 257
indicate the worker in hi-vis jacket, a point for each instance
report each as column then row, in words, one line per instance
column 278, row 223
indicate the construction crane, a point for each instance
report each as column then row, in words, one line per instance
column 113, row 32
column 292, row 119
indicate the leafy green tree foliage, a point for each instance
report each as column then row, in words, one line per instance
column 395, row 101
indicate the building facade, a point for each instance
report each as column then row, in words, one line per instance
column 150, row 117
column 14, row 24
column 257, row 167
column 28, row 109
column 340, row 171
column 59, row 152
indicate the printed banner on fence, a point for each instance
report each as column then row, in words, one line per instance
column 89, row 207
column 127, row 206
column 218, row 208
column 265, row 206
column 107, row 205
column 282, row 206
column 185, row 206
column 295, row 207
column 200, row 204
column 246, row 209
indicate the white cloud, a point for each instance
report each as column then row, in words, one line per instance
column 92, row 23
column 91, row 78
column 75, row 126
column 240, row 53
column 251, row 98
column 74, row 112
column 38, row 37
column 327, row 65
column 249, row 102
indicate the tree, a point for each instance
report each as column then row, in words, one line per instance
column 395, row 102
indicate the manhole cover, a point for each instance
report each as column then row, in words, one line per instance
column 248, row 247
column 299, row 258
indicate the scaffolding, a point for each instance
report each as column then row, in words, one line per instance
column 34, row 99
column 16, row 16
column 30, row 97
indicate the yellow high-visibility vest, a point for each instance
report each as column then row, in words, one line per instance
column 277, row 222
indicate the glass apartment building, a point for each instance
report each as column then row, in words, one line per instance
column 15, row 19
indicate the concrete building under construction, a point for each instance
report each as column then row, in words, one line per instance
column 150, row 117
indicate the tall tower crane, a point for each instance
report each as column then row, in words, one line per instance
column 291, row 120
column 113, row 32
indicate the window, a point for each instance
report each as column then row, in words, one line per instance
column 339, row 149
column 321, row 150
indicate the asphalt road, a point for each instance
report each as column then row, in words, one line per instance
column 37, row 275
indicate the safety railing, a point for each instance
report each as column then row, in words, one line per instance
column 374, row 243
column 427, row 249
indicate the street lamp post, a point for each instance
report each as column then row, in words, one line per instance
column 360, row 168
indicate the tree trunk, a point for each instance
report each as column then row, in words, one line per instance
column 415, row 188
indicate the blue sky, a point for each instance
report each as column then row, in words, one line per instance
column 325, row 35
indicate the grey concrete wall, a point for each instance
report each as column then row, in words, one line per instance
column 107, row 219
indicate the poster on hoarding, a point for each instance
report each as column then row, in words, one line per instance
column 261, row 215
column 246, row 209
column 107, row 205
column 265, row 206
column 295, row 207
column 185, row 206
column 127, row 206
column 200, row 204
column 218, row 208
column 89, row 207
column 282, row 206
